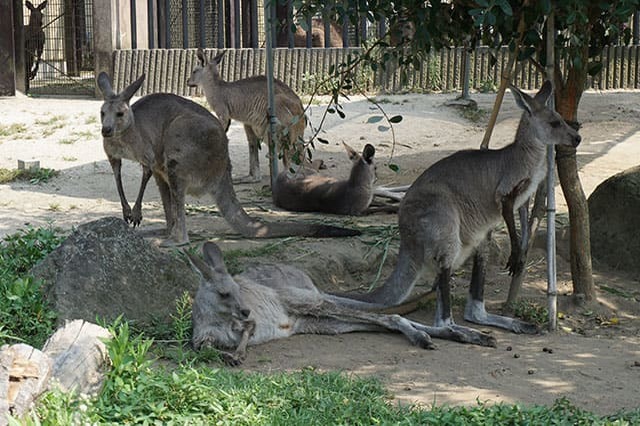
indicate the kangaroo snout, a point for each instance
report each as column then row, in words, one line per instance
column 576, row 140
column 107, row 131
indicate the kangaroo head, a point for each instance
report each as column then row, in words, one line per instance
column 363, row 164
column 221, row 292
column 548, row 126
column 203, row 69
column 35, row 19
column 116, row 114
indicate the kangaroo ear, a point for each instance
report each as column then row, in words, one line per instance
column 201, row 57
column 104, row 84
column 29, row 5
column 368, row 152
column 218, row 57
column 544, row 93
column 522, row 99
column 128, row 93
column 213, row 256
column 42, row 5
column 199, row 265
column 352, row 153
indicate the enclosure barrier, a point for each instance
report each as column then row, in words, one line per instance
column 167, row 70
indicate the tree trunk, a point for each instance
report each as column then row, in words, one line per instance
column 567, row 100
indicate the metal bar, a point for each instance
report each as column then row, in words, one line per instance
column 552, row 290
column 269, row 27
column 134, row 30
column 185, row 25
column 309, row 36
column 167, row 20
column 150, row 20
column 220, row 25
column 202, row 22
column 254, row 23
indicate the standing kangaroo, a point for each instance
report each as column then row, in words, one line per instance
column 269, row 302
column 34, row 39
column 316, row 193
column 246, row 101
column 185, row 148
column 448, row 212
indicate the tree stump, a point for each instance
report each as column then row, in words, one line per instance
column 73, row 358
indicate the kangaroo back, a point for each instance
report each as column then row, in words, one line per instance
column 34, row 39
column 319, row 193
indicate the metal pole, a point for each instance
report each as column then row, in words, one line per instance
column 552, row 291
column 268, row 26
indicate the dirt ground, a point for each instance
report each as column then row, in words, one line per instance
column 595, row 355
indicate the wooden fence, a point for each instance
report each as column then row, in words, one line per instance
column 167, row 70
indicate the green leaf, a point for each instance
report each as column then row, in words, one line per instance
column 505, row 6
column 594, row 68
column 483, row 3
column 394, row 167
column 395, row 119
column 383, row 128
column 374, row 119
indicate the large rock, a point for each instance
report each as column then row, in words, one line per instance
column 614, row 215
column 105, row 269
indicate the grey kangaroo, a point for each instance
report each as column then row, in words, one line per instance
column 448, row 212
column 185, row 148
column 314, row 192
column 246, row 101
column 269, row 302
column 34, row 39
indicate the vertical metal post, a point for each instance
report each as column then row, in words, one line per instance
column 134, row 29
column 552, row 291
column 167, row 20
column 203, row 23
column 269, row 10
column 151, row 16
column 636, row 27
column 466, row 70
column 185, row 25
column 236, row 23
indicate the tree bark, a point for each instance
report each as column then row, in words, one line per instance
column 568, row 96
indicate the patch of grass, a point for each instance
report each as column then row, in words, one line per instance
column 138, row 392
column 92, row 119
column 474, row 114
column 54, row 207
column 67, row 141
column 24, row 313
column 232, row 257
column 14, row 129
column 85, row 134
column 531, row 311
column 56, row 121
column 36, row 176
column 70, row 158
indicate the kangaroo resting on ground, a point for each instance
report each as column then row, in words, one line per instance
column 185, row 148
column 448, row 212
column 246, row 101
column 34, row 39
column 269, row 302
column 316, row 193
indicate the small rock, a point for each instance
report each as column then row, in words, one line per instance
column 516, row 355
column 509, row 348
column 530, row 372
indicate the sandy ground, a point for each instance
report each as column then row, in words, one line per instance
column 593, row 359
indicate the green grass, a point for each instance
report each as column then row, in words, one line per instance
column 24, row 313
column 138, row 391
column 233, row 257
column 37, row 176
column 531, row 311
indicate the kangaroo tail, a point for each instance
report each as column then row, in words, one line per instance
column 395, row 290
column 249, row 227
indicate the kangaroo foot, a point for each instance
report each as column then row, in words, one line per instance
column 231, row 359
column 247, row 179
column 457, row 333
column 476, row 313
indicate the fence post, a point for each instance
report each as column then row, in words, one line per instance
column 104, row 37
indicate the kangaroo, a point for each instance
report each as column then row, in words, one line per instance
column 185, row 148
column 246, row 101
column 34, row 39
column 269, row 302
column 448, row 212
column 314, row 192
column 317, row 35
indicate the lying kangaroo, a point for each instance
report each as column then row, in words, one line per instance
column 448, row 212
column 246, row 101
column 317, row 193
column 185, row 148
column 269, row 302
column 34, row 39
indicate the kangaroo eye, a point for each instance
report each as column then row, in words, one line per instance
column 119, row 114
column 224, row 295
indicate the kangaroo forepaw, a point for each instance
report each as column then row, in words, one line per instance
column 231, row 359
column 423, row 340
column 515, row 264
